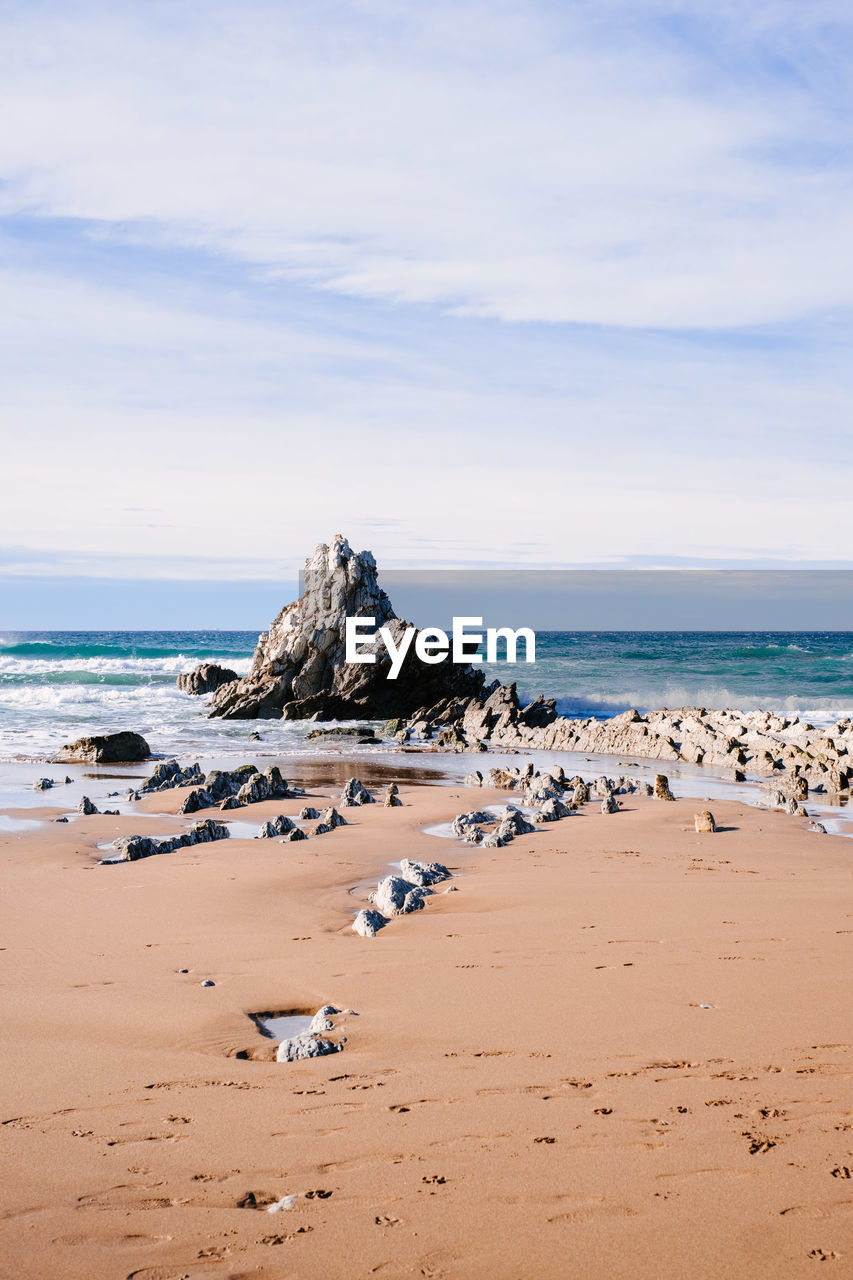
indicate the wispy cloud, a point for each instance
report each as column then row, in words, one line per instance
column 526, row 282
column 617, row 164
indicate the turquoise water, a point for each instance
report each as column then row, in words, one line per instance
column 57, row 685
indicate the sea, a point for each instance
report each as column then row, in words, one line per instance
column 58, row 685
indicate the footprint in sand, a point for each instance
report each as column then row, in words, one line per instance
column 758, row 1142
column 281, row 1238
column 256, row 1200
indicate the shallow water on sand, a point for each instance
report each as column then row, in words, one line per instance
column 283, row 1028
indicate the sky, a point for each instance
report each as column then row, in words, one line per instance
column 542, row 284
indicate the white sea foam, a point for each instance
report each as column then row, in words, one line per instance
column 13, row 665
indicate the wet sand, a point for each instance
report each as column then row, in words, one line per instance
column 532, row 1086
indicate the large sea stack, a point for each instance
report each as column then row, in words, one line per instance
column 298, row 670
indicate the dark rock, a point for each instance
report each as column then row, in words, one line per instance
column 168, row 774
column 662, row 790
column 133, row 848
column 331, row 819
column 86, row 807
column 110, row 748
column 355, row 793
column 207, row 677
column 276, row 827
column 197, row 799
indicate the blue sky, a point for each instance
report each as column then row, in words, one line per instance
column 476, row 284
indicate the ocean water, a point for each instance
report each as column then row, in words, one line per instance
column 55, row 686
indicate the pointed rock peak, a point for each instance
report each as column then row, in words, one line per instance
column 299, row 668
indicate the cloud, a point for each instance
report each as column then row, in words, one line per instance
column 524, row 283
column 617, row 164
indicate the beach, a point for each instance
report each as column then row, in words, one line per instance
column 619, row 1047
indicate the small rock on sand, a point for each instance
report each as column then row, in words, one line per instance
column 395, row 896
column 662, row 790
column 368, row 923
column 704, row 821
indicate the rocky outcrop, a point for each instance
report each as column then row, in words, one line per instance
column 207, row 677
column 298, row 669
column 168, row 774
column 132, row 848
column 740, row 743
column 230, row 789
column 108, row 748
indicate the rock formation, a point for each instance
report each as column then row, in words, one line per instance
column 132, row 848
column 109, row 748
column 207, row 677
column 298, row 670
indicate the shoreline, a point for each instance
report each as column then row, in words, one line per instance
column 531, row 1085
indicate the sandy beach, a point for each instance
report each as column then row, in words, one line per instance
column 620, row 1049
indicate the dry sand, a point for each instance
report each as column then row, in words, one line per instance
column 532, row 1087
